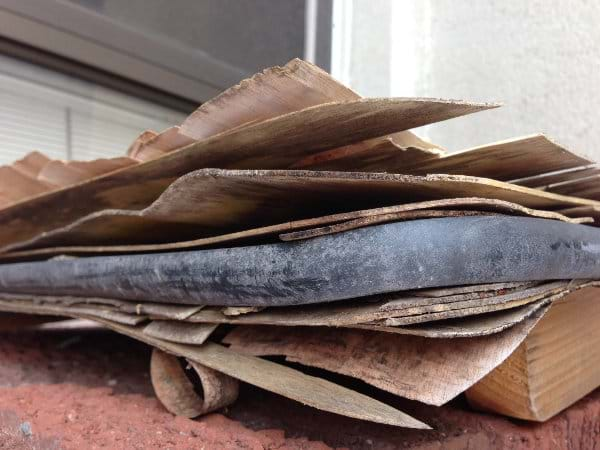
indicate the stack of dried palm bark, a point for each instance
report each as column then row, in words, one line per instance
column 290, row 217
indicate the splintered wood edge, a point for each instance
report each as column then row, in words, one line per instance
column 316, row 392
column 312, row 391
column 469, row 326
column 182, row 332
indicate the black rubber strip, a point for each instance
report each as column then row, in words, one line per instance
column 357, row 263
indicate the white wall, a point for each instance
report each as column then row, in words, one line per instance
column 540, row 57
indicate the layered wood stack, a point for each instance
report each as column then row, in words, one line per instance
column 290, row 217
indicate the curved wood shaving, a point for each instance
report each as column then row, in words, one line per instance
column 179, row 395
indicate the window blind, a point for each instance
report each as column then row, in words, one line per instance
column 68, row 118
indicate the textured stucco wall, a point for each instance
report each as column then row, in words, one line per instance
column 540, row 57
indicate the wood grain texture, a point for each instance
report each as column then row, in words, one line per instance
column 16, row 185
column 139, row 142
column 31, row 164
column 36, row 174
column 506, row 160
column 546, row 180
column 432, row 371
column 212, row 202
column 281, row 90
column 469, row 326
column 402, row 308
column 312, row 391
column 555, row 366
column 391, row 217
column 273, row 143
column 156, row 146
column 352, row 313
column 185, row 333
column 582, row 211
column 587, row 187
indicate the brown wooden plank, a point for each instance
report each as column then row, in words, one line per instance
column 506, row 160
column 588, row 187
column 582, row 211
column 277, row 142
column 31, row 164
column 139, row 142
column 16, row 185
column 392, row 309
column 470, row 326
column 547, row 179
column 60, row 174
column 164, row 142
column 185, row 333
column 211, row 202
column 281, row 90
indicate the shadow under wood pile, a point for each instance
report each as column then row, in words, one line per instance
column 289, row 217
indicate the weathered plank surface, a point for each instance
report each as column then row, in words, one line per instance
column 316, row 392
column 211, row 202
column 93, row 231
column 469, row 326
column 432, row 371
column 353, row 313
column 411, row 308
column 546, row 180
column 186, row 333
column 506, row 160
column 274, row 143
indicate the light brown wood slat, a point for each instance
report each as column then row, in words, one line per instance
column 337, row 314
column 391, row 154
column 547, row 179
column 391, row 217
column 470, row 326
column 556, row 365
column 582, row 211
column 17, row 186
column 101, row 166
column 403, row 308
column 506, row 160
column 164, row 142
column 60, row 174
column 211, row 202
column 432, row 371
column 281, row 90
column 139, row 142
column 31, row 164
column 185, row 333
column 588, row 187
